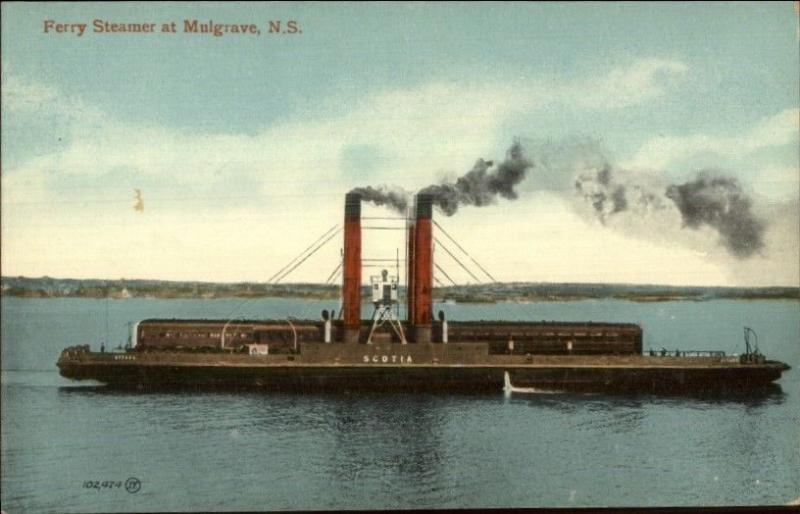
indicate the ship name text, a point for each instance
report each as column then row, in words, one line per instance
column 388, row 359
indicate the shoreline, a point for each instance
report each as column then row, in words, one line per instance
column 441, row 300
column 481, row 293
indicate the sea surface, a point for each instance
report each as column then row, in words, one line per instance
column 74, row 446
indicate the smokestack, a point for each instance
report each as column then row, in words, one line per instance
column 410, row 271
column 351, row 268
column 422, row 265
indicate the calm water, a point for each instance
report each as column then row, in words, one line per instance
column 218, row 451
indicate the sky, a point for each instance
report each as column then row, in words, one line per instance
column 242, row 146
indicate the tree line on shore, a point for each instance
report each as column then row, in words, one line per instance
column 48, row 287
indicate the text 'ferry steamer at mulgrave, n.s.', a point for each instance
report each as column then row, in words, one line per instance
column 421, row 352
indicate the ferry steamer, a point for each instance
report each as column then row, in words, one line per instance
column 421, row 352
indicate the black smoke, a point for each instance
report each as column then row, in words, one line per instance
column 714, row 201
column 719, row 202
column 603, row 192
column 482, row 184
column 395, row 198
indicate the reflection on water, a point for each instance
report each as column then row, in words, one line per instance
column 405, row 429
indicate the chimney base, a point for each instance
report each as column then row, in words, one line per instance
column 352, row 335
column 422, row 333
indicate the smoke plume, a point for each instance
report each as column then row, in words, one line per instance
column 481, row 185
column 719, row 202
column 610, row 192
column 630, row 200
column 715, row 201
column 597, row 189
column 395, row 198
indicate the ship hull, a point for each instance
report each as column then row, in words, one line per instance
column 623, row 374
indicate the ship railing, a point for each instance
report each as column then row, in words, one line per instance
column 685, row 353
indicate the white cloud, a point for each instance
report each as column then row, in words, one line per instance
column 295, row 168
column 781, row 182
column 426, row 127
column 644, row 80
column 20, row 95
column 778, row 130
column 431, row 128
column 23, row 97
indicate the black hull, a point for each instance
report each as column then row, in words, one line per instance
column 428, row 378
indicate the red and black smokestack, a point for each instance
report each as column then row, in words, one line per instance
column 421, row 308
column 410, row 269
column 351, row 268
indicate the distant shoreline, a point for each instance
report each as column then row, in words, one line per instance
column 47, row 287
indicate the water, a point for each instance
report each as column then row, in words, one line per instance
column 226, row 451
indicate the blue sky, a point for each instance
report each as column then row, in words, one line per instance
column 246, row 141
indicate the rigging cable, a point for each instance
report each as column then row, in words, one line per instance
column 463, row 250
column 304, row 259
column 283, row 272
column 445, row 274
column 334, row 278
column 456, row 259
column 334, row 273
column 270, row 279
